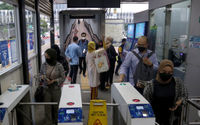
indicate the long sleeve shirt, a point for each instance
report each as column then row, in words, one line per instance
column 83, row 44
column 73, row 52
column 131, row 62
column 56, row 72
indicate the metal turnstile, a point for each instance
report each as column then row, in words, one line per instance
column 133, row 107
column 70, row 106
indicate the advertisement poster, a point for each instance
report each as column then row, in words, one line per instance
column 4, row 53
column 130, row 33
column 194, row 42
column 140, row 30
column 13, row 51
column 31, row 40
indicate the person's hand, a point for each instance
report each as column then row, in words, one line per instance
column 139, row 85
column 49, row 82
column 178, row 103
column 70, row 59
column 147, row 62
column 121, row 78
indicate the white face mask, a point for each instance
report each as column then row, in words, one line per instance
column 83, row 38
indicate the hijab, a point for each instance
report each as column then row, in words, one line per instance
column 163, row 64
column 91, row 46
column 52, row 57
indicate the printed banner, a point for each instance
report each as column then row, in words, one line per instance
column 13, row 49
column 4, row 53
column 194, row 42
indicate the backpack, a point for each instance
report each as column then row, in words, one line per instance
column 142, row 71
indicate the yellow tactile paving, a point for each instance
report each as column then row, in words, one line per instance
column 84, row 83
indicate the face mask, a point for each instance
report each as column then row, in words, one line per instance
column 141, row 49
column 165, row 76
column 83, row 38
column 50, row 62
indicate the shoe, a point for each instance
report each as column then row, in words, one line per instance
column 80, row 72
column 117, row 74
column 84, row 75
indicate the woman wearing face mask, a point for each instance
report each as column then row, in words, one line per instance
column 53, row 75
column 166, row 94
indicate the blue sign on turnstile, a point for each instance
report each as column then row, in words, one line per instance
column 2, row 114
column 69, row 115
column 141, row 111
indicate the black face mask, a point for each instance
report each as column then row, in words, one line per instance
column 165, row 76
column 51, row 62
column 141, row 49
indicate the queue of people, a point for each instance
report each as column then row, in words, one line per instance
column 156, row 82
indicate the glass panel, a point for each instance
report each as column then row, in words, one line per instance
column 178, row 42
column 45, row 32
column 157, row 28
column 9, row 49
column 30, row 29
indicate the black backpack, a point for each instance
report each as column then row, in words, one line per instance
column 142, row 71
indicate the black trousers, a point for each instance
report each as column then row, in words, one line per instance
column 73, row 73
column 82, row 64
column 102, row 80
column 119, row 63
column 109, row 76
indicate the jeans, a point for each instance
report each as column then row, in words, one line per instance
column 73, row 73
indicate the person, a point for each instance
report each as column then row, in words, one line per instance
column 61, row 59
column 103, row 75
column 132, row 60
column 93, row 75
column 53, row 75
column 121, row 56
column 83, row 43
column 166, row 94
column 73, row 53
column 112, row 59
column 99, row 44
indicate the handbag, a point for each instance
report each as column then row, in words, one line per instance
column 39, row 94
column 101, row 61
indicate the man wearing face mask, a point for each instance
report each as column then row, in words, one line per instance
column 141, row 55
column 166, row 94
column 83, row 43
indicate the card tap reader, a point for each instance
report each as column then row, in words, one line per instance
column 70, row 106
column 133, row 107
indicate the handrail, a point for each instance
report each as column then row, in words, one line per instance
column 89, row 28
column 68, row 38
column 194, row 104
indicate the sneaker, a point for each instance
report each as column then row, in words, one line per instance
column 117, row 74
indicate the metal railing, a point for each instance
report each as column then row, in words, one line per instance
column 185, row 115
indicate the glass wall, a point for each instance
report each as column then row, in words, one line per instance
column 45, row 32
column 157, row 31
column 9, row 44
column 30, row 29
column 178, row 42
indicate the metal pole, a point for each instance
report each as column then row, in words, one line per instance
column 24, row 51
column 38, row 103
column 196, row 105
column 38, row 33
